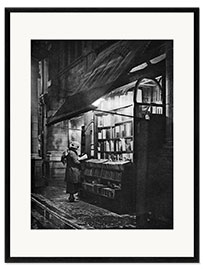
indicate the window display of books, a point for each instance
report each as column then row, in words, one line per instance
column 115, row 142
column 114, row 126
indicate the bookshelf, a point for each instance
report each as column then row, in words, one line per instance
column 107, row 179
column 114, row 134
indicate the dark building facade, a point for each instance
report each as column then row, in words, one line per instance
column 115, row 98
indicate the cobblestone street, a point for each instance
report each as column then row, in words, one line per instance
column 80, row 213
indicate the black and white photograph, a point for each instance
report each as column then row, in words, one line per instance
column 102, row 134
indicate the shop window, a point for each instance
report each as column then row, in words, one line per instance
column 149, row 98
column 114, row 122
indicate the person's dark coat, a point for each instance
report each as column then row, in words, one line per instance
column 72, row 176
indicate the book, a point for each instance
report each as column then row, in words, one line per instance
column 83, row 157
column 103, row 133
column 117, row 134
column 122, row 131
column 107, row 146
column 108, row 133
column 99, row 147
column 111, row 145
column 123, row 145
column 99, row 135
column 128, row 130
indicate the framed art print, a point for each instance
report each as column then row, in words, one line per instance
column 102, row 134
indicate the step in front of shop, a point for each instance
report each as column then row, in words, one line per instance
column 58, row 213
column 45, row 215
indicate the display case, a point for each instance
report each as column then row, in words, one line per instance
column 107, row 184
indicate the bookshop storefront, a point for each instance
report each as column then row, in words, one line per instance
column 124, row 133
column 108, row 136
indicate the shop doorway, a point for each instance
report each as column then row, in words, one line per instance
column 149, row 155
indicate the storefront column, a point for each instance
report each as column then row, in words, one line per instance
column 36, row 161
column 34, row 107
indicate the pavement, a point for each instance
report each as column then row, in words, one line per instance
column 80, row 213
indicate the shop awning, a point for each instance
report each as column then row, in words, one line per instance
column 103, row 76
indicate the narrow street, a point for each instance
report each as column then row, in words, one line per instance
column 52, row 210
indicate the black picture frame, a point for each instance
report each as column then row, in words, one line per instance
column 8, row 258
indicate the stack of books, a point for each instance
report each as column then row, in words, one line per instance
column 108, row 192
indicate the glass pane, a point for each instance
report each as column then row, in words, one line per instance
column 149, row 92
column 156, row 96
column 157, row 110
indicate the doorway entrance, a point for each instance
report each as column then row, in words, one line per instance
column 153, row 187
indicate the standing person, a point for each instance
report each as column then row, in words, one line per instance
column 72, row 176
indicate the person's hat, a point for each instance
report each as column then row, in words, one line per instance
column 74, row 145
